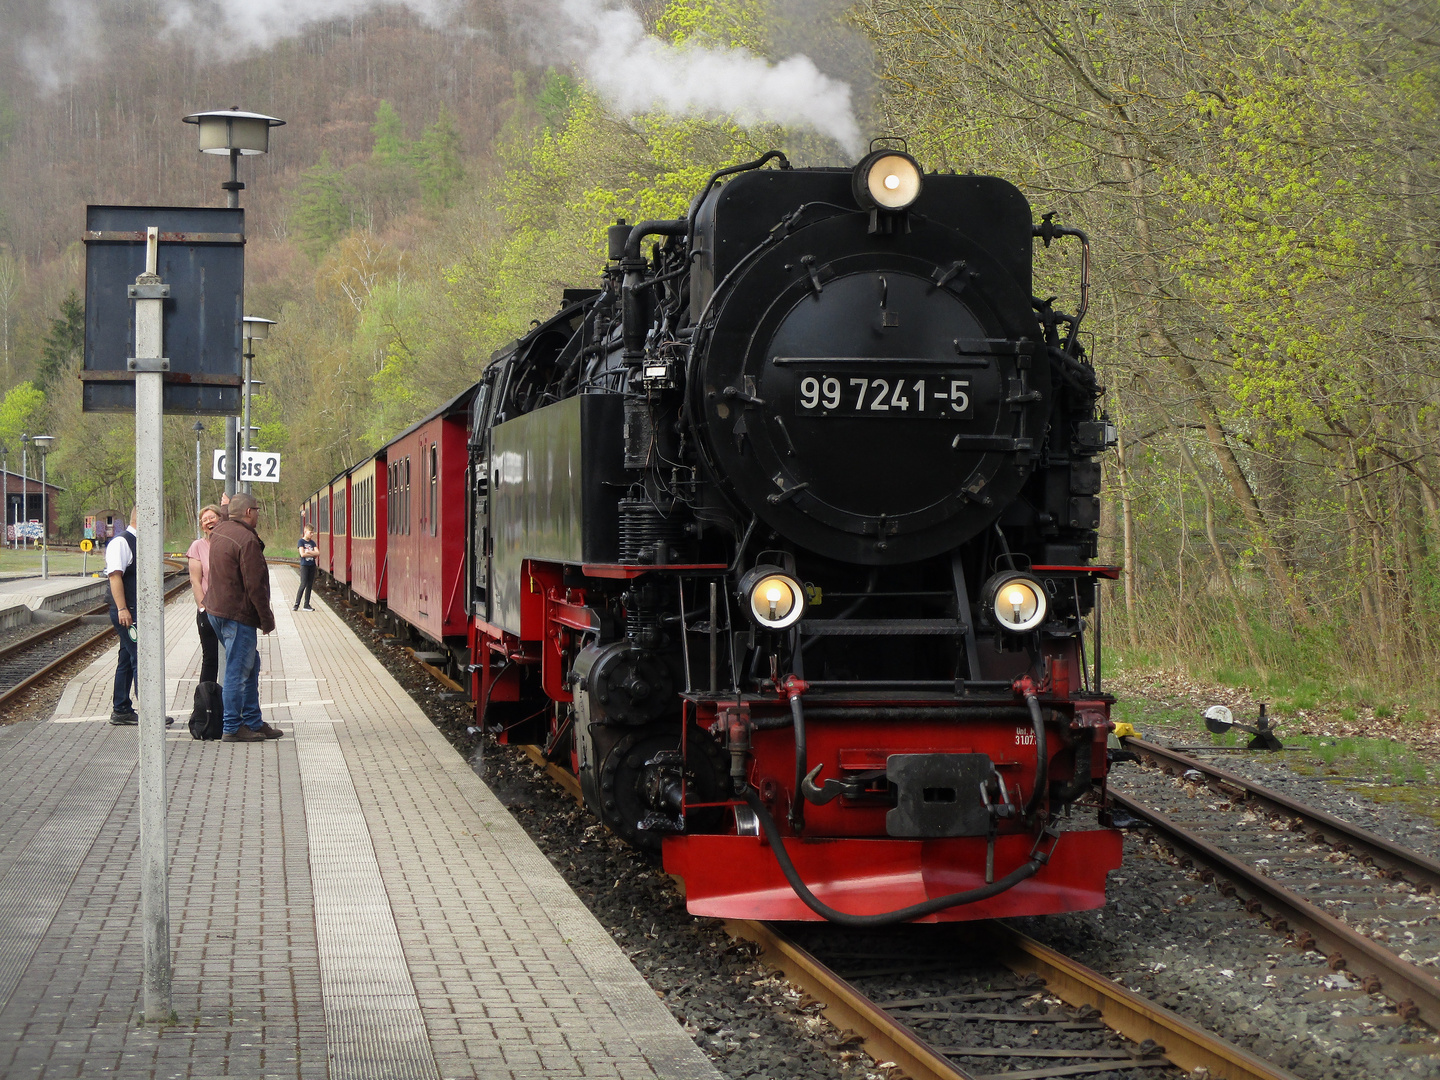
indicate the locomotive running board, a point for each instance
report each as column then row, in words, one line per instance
column 737, row 877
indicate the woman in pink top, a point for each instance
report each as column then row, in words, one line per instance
column 199, row 558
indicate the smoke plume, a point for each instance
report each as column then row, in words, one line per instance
column 603, row 40
column 635, row 72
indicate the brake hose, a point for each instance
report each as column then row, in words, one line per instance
column 1042, row 754
column 1037, row 861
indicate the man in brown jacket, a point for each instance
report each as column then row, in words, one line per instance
column 237, row 600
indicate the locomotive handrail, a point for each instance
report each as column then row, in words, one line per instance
column 729, row 170
column 1047, row 230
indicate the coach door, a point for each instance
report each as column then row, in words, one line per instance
column 479, row 471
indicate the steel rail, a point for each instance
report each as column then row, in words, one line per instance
column 1183, row 1043
column 48, row 631
column 1186, row 1045
column 557, row 775
column 38, row 676
column 1415, row 992
column 886, row 1038
column 435, row 673
column 1414, row 866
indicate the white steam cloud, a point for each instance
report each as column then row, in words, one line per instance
column 636, row 73
column 604, row 40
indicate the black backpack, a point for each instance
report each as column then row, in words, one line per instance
column 208, row 719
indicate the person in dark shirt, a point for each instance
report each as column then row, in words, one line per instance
column 308, row 550
column 120, row 569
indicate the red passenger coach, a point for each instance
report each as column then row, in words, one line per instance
column 321, row 521
column 367, row 529
column 340, row 528
column 426, row 520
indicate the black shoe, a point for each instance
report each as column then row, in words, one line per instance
column 169, row 721
column 124, row 719
column 309, row 608
column 295, row 608
column 244, row 734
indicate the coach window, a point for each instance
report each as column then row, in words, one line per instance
column 434, row 489
column 407, row 494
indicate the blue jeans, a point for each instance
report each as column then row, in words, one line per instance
column 127, row 667
column 242, row 674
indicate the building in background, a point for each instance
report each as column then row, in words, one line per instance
column 28, row 500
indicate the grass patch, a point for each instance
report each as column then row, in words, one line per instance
column 1379, row 760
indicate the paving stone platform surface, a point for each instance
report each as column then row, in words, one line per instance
column 349, row 901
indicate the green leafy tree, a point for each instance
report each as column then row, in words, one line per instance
column 322, row 211
column 438, row 161
column 390, row 147
column 556, row 98
column 64, row 343
column 19, row 412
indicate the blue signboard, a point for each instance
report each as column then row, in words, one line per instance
column 202, row 261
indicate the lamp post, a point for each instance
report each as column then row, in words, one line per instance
column 235, row 134
column 42, row 443
column 256, row 329
column 5, row 489
column 199, row 430
column 24, row 485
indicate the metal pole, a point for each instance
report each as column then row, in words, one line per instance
column 245, row 435
column 199, row 532
column 5, row 494
column 24, row 479
column 232, row 460
column 45, row 512
column 232, row 192
column 150, row 628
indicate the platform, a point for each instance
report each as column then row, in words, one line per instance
column 20, row 597
column 349, row 901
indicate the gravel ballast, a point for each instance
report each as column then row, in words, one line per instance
column 1163, row 933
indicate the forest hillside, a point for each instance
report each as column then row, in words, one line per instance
column 1260, row 182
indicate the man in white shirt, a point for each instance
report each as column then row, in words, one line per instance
column 120, row 569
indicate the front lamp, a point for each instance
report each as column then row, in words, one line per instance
column 887, row 180
column 774, row 599
column 1016, row 601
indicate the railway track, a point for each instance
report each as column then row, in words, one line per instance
column 31, row 659
column 1039, row 987
column 1028, row 987
column 1368, row 904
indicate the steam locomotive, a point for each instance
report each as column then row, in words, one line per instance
column 781, row 540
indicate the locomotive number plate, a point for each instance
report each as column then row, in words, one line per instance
column 942, row 396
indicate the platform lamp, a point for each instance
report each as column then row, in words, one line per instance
column 42, row 443
column 256, row 329
column 236, row 134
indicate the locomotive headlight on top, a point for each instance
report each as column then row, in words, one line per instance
column 774, row 598
column 887, row 180
column 1016, row 601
